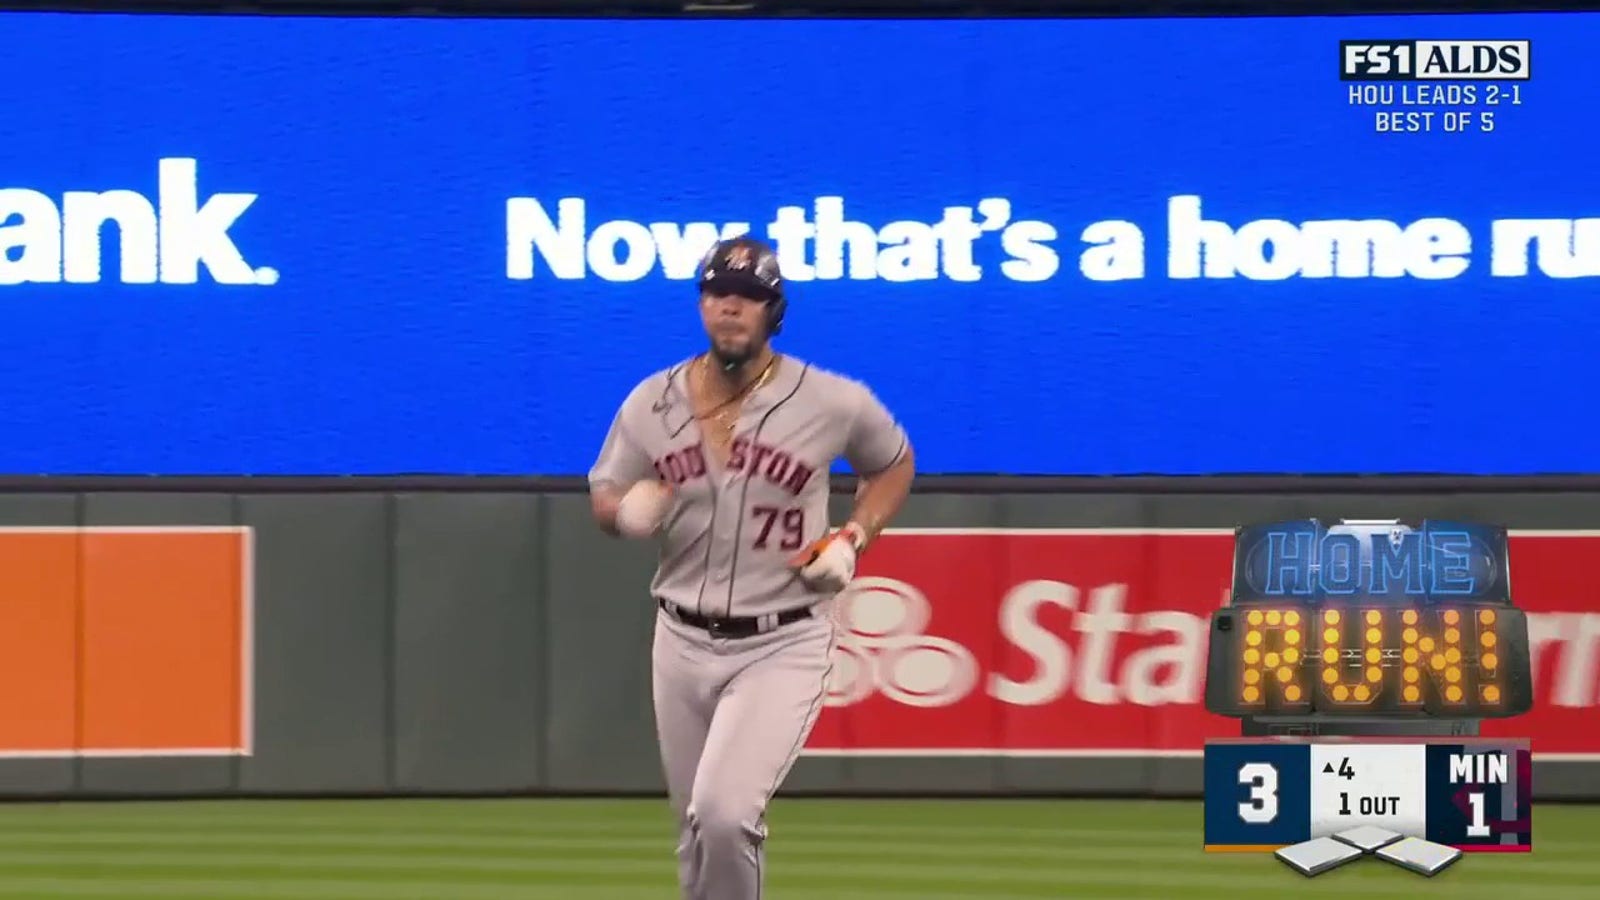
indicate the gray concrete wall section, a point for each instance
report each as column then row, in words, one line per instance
column 322, row 699
column 480, row 642
column 468, row 661
column 601, row 734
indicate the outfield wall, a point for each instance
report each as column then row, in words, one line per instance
column 494, row 641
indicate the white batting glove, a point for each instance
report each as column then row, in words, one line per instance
column 829, row 565
column 643, row 508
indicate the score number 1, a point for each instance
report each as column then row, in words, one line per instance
column 1262, row 779
column 1479, row 828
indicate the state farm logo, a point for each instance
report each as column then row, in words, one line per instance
column 1112, row 655
column 885, row 649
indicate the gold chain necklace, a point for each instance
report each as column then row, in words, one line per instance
column 725, row 415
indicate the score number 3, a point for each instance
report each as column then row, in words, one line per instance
column 1262, row 807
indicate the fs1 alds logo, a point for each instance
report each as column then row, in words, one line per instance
column 1434, row 60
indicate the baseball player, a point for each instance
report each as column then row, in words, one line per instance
column 723, row 459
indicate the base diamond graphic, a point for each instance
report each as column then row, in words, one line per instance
column 1318, row 855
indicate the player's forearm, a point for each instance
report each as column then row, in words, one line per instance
column 879, row 498
column 604, row 502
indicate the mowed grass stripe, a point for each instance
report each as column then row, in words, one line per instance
column 1401, row 887
column 446, row 831
column 1155, row 872
column 33, row 888
column 498, row 812
column 486, row 845
column 599, row 847
column 1265, row 883
column 387, row 872
column 1166, row 880
column 595, row 855
column 602, row 849
column 624, row 832
column 1189, row 886
column 1013, row 819
column 505, row 812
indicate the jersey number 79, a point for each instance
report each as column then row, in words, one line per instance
column 792, row 522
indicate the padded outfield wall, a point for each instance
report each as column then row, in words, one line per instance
column 291, row 641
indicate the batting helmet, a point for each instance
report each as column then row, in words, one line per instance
column 748, row 267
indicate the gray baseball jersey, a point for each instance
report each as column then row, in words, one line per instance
column 727, row 540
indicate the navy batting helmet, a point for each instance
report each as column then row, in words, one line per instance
column 748, row 267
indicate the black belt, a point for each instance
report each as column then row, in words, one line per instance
column 738, row 626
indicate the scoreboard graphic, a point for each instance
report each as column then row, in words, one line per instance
column 1360, row 657
column 1472, row 794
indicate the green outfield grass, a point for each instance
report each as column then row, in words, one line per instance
column 621, row 850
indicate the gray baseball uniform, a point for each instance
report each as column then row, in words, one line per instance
column 733, row 710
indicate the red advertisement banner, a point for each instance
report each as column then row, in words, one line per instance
column 1093, row 642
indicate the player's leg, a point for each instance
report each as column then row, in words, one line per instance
column 683, row 684
column 761, row 722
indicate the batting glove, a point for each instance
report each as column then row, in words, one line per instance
column 642, row 509
column 829, row 565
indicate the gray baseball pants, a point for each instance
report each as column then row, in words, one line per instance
column 731, row 716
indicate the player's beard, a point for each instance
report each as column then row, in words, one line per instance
column 732, row 358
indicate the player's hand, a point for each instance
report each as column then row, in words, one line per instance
column 829, row 564
column 643, row 508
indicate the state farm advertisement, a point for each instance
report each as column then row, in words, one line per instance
column 1093, row 642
